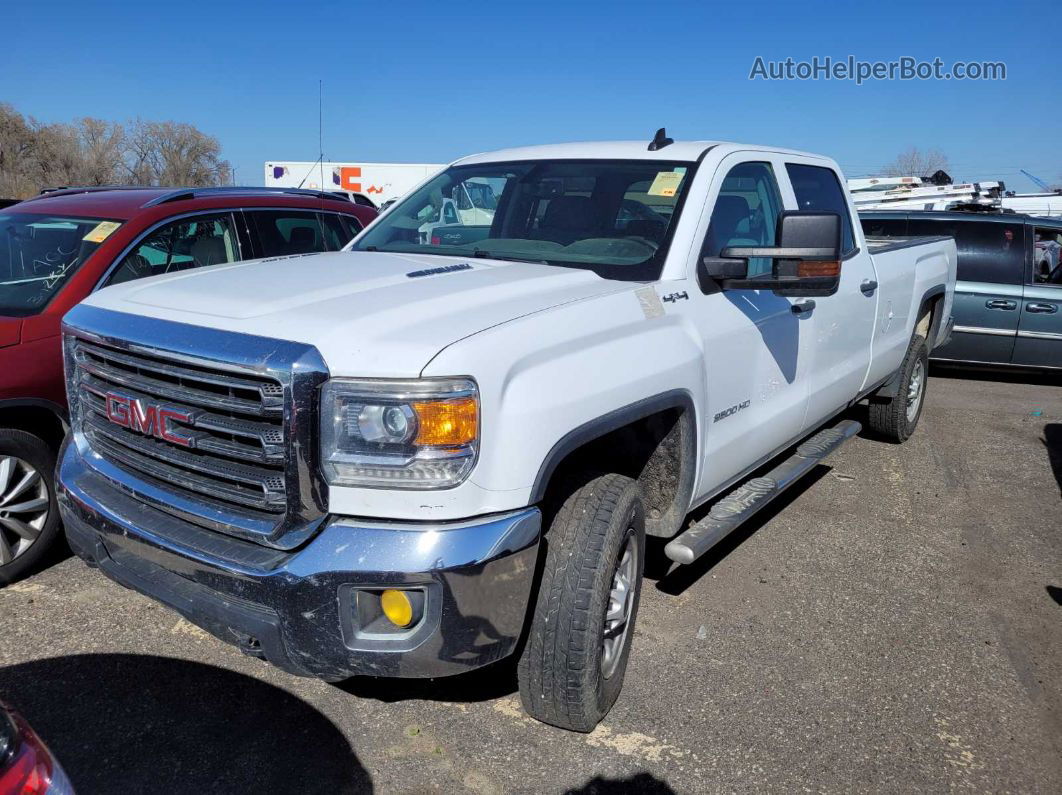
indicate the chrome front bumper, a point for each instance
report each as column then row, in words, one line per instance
column 296, row 609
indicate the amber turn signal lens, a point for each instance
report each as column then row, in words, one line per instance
column 446, row 423
column 813, row 268
column 397, row 607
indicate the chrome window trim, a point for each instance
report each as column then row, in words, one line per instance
column 298, row 367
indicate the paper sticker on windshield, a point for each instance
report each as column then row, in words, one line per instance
column 666, row 183
column 101, row 232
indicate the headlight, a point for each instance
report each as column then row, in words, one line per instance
column 416, row 434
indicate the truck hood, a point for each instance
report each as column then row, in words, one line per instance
column 368, row 313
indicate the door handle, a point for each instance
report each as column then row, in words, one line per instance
column 802, row 308
column 1042, row 309
column 868, row 286
column 999, row 303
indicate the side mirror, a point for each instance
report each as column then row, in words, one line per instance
column 806, row 261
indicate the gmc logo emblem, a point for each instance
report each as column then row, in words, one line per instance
column 146, row 418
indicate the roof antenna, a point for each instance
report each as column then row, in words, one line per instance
column 660, row 140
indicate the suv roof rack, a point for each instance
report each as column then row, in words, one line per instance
column 70, row 190
column 180, row 194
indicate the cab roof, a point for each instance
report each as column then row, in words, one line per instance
column 688, row 151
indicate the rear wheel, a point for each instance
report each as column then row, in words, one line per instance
column 895, row 418
column 572, row 666
column 29, row 518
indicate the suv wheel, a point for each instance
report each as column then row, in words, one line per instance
column 29, row 517
column 572, row 665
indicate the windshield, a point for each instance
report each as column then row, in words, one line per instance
column 38, row 253
column 614, row 217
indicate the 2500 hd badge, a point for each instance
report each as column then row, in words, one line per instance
column 722, row 415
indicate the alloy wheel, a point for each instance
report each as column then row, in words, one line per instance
column 915, row 390
column 620, row 606
column 24, row 507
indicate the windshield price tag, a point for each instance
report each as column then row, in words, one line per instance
column 101, row 231
column 666, row 183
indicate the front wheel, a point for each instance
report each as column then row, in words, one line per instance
column 895, row 418
column 29, row 518
column 572, row 666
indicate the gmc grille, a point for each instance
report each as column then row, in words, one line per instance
column 229, row 427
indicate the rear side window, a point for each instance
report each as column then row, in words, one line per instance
column 989, row 251
column 1047, row 256
column 336, row 233
column 883, row 227
column 286, row 232
column 817, row 188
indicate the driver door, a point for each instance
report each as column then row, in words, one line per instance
column 757, row 381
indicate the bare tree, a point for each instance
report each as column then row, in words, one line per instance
column 34, row 155
column 916, row 163
column 16, row 147
column 174, row 153
column 102, row 144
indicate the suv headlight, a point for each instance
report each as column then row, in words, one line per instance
column 415, row 434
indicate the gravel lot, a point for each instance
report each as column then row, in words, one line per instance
column 896, row 625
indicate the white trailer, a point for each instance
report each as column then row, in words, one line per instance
column 1034, row 203
column 381, row 182
column 912, row 193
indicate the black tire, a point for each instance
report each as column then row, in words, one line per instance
column 561, row 671
column 894, row 419
column 31, row 450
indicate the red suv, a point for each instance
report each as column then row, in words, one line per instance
column 57, row 248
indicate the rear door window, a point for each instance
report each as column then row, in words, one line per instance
column 989, row 251
column 285, row 232
column 336, row 233
column 817, row 188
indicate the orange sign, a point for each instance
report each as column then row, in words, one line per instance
column 347, row 175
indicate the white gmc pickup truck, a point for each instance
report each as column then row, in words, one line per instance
column 416, row 457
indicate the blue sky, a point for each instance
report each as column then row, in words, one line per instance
column 429, row 82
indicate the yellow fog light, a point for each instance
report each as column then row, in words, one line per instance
column 397, row 607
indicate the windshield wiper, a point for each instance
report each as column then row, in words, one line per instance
column 481, row 254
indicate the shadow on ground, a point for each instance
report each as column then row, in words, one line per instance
column 1053, row 443
column 138, row 723
column 1055, row 593
column 484, row 684
column 638, row 783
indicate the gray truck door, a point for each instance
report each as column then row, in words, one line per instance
column 988, row 294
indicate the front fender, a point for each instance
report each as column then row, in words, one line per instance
column 552, row 381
